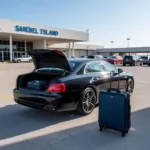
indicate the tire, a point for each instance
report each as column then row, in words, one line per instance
column 148, row 64
column 124, row 64
column 130, row 85
column 101, row 128
column 134, row 64
column 18, row 61
column 123, row 134
column 30, row 60
column 87, row 102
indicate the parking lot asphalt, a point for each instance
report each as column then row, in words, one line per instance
column 28, row 129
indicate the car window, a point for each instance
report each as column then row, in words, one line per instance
column 113, row 57
column 108, row 67
column 128, row 57
column 91, row 57
column 73, row 64
column 93, row 67
column 87, row 69
column 144, row 57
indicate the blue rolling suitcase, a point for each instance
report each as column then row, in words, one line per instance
column 114, row 110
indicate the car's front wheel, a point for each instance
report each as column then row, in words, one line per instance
column 87, row 102
column 18, row 61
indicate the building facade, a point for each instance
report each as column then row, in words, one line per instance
column 79, row 49
column 16, row 38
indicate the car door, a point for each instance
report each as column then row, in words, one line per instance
column 98, row 76
column 113, row 78
column 26, row 58
column 23, row 58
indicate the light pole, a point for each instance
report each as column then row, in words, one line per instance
column 67, row 51
column 112, row 42
column 87, row 50
column 128, row 39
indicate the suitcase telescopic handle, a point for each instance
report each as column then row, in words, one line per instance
column 113, row 89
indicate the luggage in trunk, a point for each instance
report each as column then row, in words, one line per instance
column 37, row 81
column 114, row 110
column 37, row 85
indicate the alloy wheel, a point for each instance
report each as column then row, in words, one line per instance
column 88, row 102
column 130, row 85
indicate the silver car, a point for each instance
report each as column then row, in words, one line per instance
column 24, row 58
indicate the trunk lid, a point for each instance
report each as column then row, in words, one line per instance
column 49, row 58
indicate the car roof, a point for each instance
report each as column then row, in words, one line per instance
column 83, row 60
column 80, row 60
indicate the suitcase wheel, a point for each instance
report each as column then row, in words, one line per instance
column 101, row 128
column 123, row 134
column 126, row 132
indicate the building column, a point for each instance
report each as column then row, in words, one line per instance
column 10, row 48
column 73, row 54
column 25, row 45
column 45, row 44
column 69, row 53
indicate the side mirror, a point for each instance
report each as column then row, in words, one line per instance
column 120, row 70
column 112, row 73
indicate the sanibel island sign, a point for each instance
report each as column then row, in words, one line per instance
column 35, row 30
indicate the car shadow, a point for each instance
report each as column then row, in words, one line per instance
column 17, row 120
column 89, row 137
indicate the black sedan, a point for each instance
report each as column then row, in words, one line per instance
column 58, row 84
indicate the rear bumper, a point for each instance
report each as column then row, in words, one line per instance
column 128, row 62
column 52, row 102
column 110, row 61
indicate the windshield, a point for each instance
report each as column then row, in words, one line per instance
column 113, row 57
column 50, row 69
column 90, row 56
column 73, row 64
column 128, row 57
column 144, row 57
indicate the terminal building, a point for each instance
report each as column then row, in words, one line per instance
column 16, row 38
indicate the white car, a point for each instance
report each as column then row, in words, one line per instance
column 24, row 58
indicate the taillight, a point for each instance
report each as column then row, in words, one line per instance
column 57, row 88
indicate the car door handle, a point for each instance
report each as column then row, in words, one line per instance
column 96, row 78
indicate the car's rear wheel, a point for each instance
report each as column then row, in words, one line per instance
column 134, row 64
column 124, row 64
column 130, row 85
column 141, row 64
column 87, row 102
column 30, row 60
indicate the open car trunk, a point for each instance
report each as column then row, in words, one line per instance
column 37, row 81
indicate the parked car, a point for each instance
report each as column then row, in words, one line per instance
column 95, row 57
column 58, row 84
column 115, row 60
column 106, row 57
column 144, row 60
column 24, row 58
column 132, row 60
